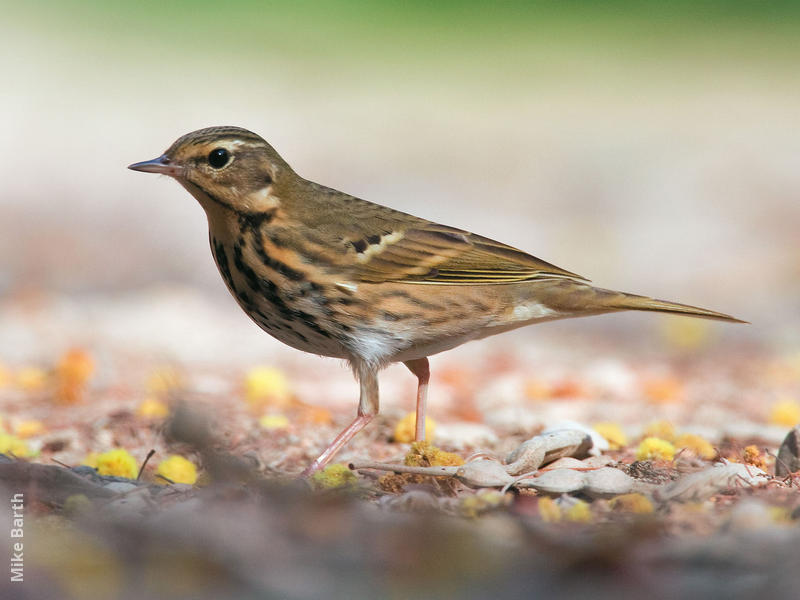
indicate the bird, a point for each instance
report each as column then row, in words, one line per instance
column 334, row 275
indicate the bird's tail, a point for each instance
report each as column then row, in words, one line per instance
column 570, row 298
column 624, row 301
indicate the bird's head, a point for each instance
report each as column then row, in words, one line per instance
column 227, row 166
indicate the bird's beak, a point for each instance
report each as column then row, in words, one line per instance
column 158, row 165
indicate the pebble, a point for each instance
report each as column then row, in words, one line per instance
column 560, row 481
column 121, row 487
column 607, row 482
column 547, row 447
column 599, row 443
column 132, row 503
column 484, row 472
column 789, row 454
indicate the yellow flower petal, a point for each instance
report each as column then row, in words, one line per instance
column 613, row 433
column 10, row 444
column 178, row 470
column 635, row 503
column 117, row 462
column 424, row 454
column 405, row 430
column 785, row 412
column 697, row 445
column 164, row 380
column 580, row 512
column 653, row 448
column 25, row 429
column 6, row 378
column 274, row 421
column 686, row 334
column 549, row 511
column 151, row 408
column 31, row 378
column 334, row 476
column 660, row 429
column 267, row 386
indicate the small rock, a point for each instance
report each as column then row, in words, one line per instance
column 483, row 472
column 788, row 460
column 566, row 462
column 120, row 487
column 560, row 481
column 132, row 503
column 607, row 482
column 599, row 443
column 547, row 447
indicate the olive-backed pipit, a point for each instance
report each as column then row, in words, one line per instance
column 338, row 276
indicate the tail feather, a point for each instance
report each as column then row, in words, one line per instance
column 623, row 301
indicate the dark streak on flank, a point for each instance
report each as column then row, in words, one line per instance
column 253, row 281
column 254, row 220
column 373, row 240
column 413, row 300
column 273, row 264
column 359, row 245
column 221, row 258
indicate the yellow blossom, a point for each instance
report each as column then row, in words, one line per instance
column 77, row 504
column 164, row 380
column 780, row 514
column 152, row 408
column 653, row 448
column 685, row 334
column 785, row 412
column 549, row 511
column 5, row 376
column 31, row 378
column 613, row 434
column 72, row 374
column 751, row 455
column 29, row 428
column 178, row 470
column 274, row 421
column 634, row 503
column 424, row 454
column 91, row 460
column 660, row 429
column 580, row 512
column 267, row 386
column 334, row 476
column 117, row 462
column 663, row 390
column 405, row 429
column 697, row 445
column 10, row 444
column 483, row 501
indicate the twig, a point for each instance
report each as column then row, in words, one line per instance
column 144, row 464
column 433, row 471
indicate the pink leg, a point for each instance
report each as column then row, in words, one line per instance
column 420, row 368
column 367, row 409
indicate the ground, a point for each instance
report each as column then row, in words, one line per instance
column 675, row 400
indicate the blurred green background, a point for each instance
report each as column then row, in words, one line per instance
column 651, row 146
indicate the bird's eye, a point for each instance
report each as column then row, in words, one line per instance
column 218, row 158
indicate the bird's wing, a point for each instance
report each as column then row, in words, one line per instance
column 425, row 252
